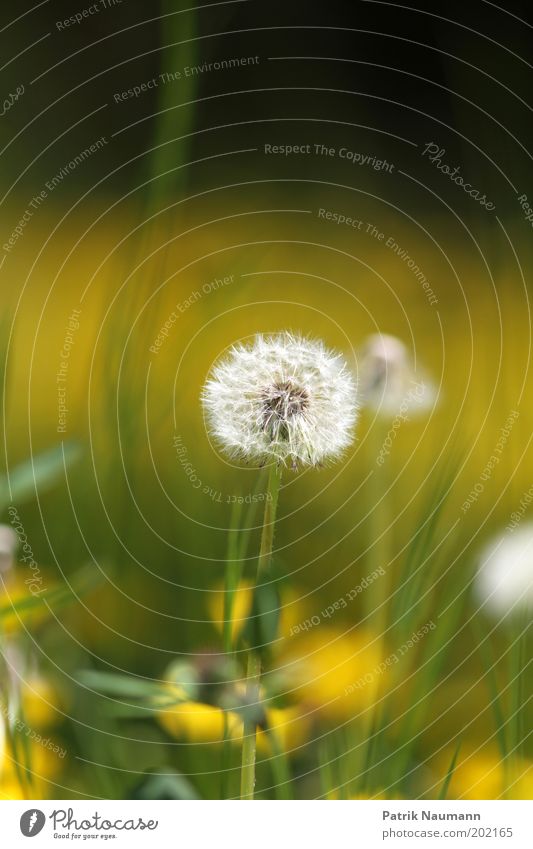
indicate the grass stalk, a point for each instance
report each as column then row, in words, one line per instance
column 379, row 524
column 253, row 673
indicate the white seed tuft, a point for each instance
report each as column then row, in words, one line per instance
column 284, row 398
column 504, row 581
column 8, row 547
column 388, row 382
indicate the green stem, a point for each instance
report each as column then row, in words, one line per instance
column 380, row 533
column 249, row 743
column 233, row 577
column 174, row 123
column 231, row 584
column 280, row 766
column 253, row 673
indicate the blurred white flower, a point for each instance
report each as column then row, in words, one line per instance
column 8, row 547
column 2, row 744
column 504, row 580
column 283, row 398
column 388, row 382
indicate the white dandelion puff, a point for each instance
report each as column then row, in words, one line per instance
column 388, row 381
column 284, row 398
column 3, row 759
column 504, row 581
column 8, row 547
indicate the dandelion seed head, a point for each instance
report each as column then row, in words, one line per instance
column 504, row 581
column 8, row 547
column 388, row 381
column 283, row 398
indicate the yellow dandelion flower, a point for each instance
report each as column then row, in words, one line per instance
column 484, row 775
column 290, row 726
column 39, row 703
column 334, row 671
column 242, row 606
column 196, row 722
column 199, row 723
column 14, row 589
column 293, row 610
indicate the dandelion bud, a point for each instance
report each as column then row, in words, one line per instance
column 388, row 382
column 283, row 398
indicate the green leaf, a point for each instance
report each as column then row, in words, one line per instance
column 81, row 583
column 162, row 785
column 36, row 474
column 121, row 710
column 127, row 686
column 21, row 752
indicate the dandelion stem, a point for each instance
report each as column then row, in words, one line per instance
column 253, row 679
column 253, row 673
column 233, row 576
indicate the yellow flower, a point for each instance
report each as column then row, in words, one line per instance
column 379, row 793
column 39, row 703
column 43, row 765
column 333, row 671
column 201, row 723
column 11, row 790
column 242, row 605
column 520, row 785
column 483, row 775
column 14, row 590
column 376, row 794
column 294, row 609
column 289, row 726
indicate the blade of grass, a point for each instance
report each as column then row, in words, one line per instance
column 413, row 574
column 125, row 686
column 279, row 764
column 518, row 666
column 327, row 777
column 427, row 665
column 41, row 471
column 489, row 664
column 81, row 583
column 449, row 775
